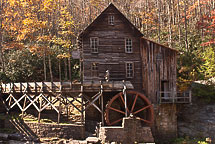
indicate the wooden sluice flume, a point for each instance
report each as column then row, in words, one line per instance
column 42, row 95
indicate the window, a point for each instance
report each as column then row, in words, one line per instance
column 94, row 41
column 128, row 45
column 111, row 20
column 129, row 69
column 94, row 69
column 165, row 88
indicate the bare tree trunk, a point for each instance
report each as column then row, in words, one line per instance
column 59, row 68
column 179, row 26
column 1, row 40
column 44, row 65
column 201, row 17
column 50, row 68
column 70, row 51
column 213, row 6
column 173, row 12
column 65, row 69
column 169, row 23
column 70, row 72
column 159, row 19
column 185, row 25
column 146, row 9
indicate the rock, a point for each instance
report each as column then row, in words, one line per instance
column 92, row 140
column 15, row 136
column 3, row 136
column 197, row 120
column 83, row 142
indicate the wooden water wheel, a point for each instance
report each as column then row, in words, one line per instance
column 138, row 106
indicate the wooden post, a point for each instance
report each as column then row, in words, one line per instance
column 35, row 87
column 59, row 106
column 9, row 101
column 67, row 109
column 20, row 87
column 82, row 105
column 40, row 100
column 59, row 111
column 39, row 114
column 13, row 87
column 23, row 107
column 51, row 101
column 102, row 103
column 190, row 96
column 125, row 98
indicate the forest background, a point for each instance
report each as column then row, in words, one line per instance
column 38, row 36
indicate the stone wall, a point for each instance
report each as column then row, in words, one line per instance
column 130, row 132
column 42, row 130
column 2, row 108
column 197, row 120
column 54, row 130
column 165, row 126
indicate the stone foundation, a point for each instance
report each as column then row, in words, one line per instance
column 42, row 130
column 54, row 130
column 165, row 127
column 130, row 132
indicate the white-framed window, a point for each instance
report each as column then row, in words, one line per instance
column 128, row 45
column 94, row 42
column 129, row 69
column 94, row 69
column 111, row 20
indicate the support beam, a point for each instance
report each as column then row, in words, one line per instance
column 102, row 103
column 39, row 114
column 23, row 107
column 59, row 111
column 125, row 99
column 82, row 105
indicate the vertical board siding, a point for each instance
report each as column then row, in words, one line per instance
column 153, row 72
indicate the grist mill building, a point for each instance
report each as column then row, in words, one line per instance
column 111, row 43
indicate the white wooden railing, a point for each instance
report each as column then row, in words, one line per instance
column 174, row 97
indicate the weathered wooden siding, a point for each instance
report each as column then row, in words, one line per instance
column 158, row 64
column 111, row 50
column 153, row 63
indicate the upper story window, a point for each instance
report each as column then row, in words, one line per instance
column 111, row 20
column 94, row 42
column 129, row 69
column 128, row 45
column 94, row 69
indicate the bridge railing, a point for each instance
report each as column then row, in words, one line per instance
column 174, row 97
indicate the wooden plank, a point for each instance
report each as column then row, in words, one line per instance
column 66, row 86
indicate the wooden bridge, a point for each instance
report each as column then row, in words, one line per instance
column 42, row 95
column 59, row 96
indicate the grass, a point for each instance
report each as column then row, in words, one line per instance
column 188, row 140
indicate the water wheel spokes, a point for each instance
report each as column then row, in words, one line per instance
column 139, row 106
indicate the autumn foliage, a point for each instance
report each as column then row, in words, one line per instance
column 45, row 32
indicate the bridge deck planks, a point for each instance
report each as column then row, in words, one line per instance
column 46, row 87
